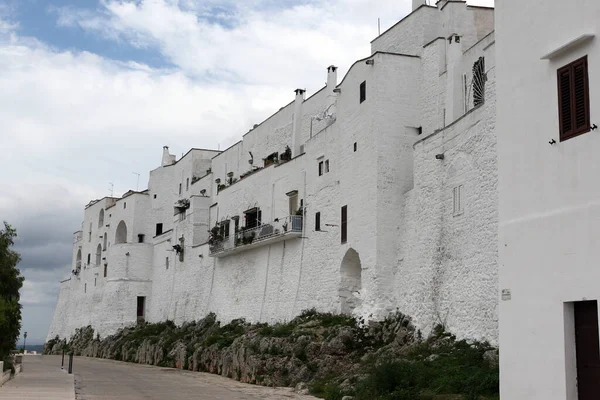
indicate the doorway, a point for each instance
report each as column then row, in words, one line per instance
column 587, row 349
column 141, row 306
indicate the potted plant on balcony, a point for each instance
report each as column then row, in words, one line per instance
column 214, row 238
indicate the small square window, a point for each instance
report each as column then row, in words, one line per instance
column 141, row 238
column 154, row 196
column 159, row 229
column 355, row 146
column 363, row 91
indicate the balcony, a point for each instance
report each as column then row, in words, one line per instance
column 264, row 234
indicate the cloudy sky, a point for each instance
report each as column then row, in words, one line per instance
column 90, row 91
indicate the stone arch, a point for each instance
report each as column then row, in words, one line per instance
column 351, row 282
column 98, row 254
column 121, row 235
column 101, row 218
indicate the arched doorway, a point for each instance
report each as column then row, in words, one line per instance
column 350, row 284
column 121, row 235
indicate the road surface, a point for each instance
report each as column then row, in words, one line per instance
column 97, row 379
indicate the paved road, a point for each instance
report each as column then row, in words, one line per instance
column 97, row 379
column 41, row 378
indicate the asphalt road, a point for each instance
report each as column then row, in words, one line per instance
column 97, row 379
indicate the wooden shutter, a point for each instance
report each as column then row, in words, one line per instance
column 344, row 224
column 573, row 98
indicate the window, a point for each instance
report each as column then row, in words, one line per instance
column 182, row 216
column 95, row 281
column 317, row 221
column 101, row 218
column 320, row 169
column 344, row 224
column 479, row 79
column 154, row 196
column 159, row 229
column 253, row 217
column 90, row 233
column 187, row 184
column 363, row 91
column 167, row 263
column 141, row 238
column 105, row 270
column 293, row 202
column 224, row 229
column 140, row 307
column 104, row 242
column 326, row 166
column 125, row 205
column 457, row 200
column 180, row 188
column 85, row 288
column 573, row 99
column 355, row 146
column 89, row 258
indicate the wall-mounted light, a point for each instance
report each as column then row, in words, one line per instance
column 370, row 62
column 439, row 156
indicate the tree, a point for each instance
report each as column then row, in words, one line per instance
column 11, row 282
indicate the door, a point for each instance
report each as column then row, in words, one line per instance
column 587, row 350
column 140, row 308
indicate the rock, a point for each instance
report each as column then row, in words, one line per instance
column 301, row 388
column 492, row 357
column 432, row 357
column 348, row 398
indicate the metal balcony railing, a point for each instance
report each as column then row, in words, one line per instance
column 261, row 234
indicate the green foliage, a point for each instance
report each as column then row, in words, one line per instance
column 440, row 365
column 225, row 335
column 11, row 282
column 326, row 388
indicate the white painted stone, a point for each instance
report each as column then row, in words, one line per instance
column 415, row 255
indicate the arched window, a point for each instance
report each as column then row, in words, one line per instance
column 121, row 235
column 101, row 218
column 78, row 259
column 98, row 254
column 105, row 239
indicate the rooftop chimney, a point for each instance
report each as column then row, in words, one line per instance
column 167, row 159
column 296, row 129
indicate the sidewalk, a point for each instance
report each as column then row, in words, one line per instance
column 41, row 379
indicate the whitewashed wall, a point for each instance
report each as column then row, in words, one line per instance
column 412, row 255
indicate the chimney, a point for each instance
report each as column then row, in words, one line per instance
column 167, row 159
column 297, row 127
column 418, row 3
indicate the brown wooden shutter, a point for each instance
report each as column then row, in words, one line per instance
column 344, row 224
column 581, row 96
column 573, row 97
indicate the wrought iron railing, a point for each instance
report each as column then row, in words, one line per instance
column 264, row 231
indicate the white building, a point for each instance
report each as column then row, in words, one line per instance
column 548, row 56
column 385, row 200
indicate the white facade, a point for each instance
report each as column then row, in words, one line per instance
column 421, row 229
column 549, row 200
